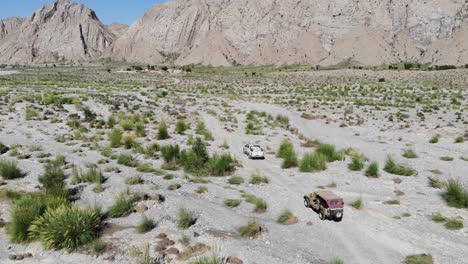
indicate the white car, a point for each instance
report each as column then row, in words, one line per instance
column 254, row 151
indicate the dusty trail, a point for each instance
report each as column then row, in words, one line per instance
column 365, row 236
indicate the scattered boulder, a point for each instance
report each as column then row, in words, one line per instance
column 234, row 260
column 172, row 251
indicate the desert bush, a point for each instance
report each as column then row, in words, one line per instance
column 285, row 149
column 127, row 160
column 133, row 180
column 140, row 129
column 252, row 229
column 260, row 204
column 214, row 259
column 284, row 216
column 289, row 161
column 9, row 170
column 145, row 225
column 446, row 158
column 201, row 189
column 145, row 167
column 221, row 165
column 97, row 246
column 312, row 162
column 256, row 178
column 358, row 203
column 194, row 160
column 186, row 219
column 336, row 261
column 232, row 202
column 181, row 127
column 373, row 170
column 435, row 139
column 435, row 183
column 93, row 175
column 202, row 130
column 162, row 131
column 419, row 259
column 123, row 206
column 392, row 167
column 410, row 154
column 66, row 227
column 329, row 151
column 438, row 218
column 236, row 180
column 456, row 195
column 171, row 153
column 129, row 142
column 115, row 137
column 357, row 164
column 53, row 178
column 454, row 224
column 459, row 139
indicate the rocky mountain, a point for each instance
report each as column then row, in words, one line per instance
column 62, row 31
column 117, row 29
column 10, row 26
column 324, row 32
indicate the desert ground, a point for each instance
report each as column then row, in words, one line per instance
column 113, row 134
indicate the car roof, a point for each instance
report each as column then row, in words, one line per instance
column 327, row 195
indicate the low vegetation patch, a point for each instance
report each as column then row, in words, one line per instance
column 260, row 204
column 373, row 170
column 186, row 219
column 145, row 225
column 358, row 204
column 456, row 195
column 435, row 183
column 419, row 259
column 454, row 224
column 312, row 162
column 123, row 206
column 410, row 154
column 232, row 202
column 252, row 229
column 392, row 167
column 9, row 170
column 236, row 180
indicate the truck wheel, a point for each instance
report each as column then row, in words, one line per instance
column 321, row 215
column 306, row 202
column 338, row 219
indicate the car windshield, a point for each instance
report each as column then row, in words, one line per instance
column 256, row 148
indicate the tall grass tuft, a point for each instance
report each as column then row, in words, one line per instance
column 312, row 162
column 123, row 206
column 162, row 131
column 456, row 195
column 392, row 167
column 115, row 137
column 252, row 229
column 145, row 225
column 186, row 219
column 329, row 151
column 9, row 170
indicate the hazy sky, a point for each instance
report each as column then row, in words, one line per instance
column 122, row 11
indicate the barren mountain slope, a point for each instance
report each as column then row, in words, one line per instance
column 117, row 29
column 294, row 31
column 61, row 31
column 9, row 26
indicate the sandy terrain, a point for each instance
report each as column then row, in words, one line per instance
column 377, row 233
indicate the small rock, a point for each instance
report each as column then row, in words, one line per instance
column 161, row 236
column 12, row 256
column 397, row 180
column 234, row 260
column 19, row 257
column 140, row 208
column 195, row 234
column 27, row 255
column 310, row 223
column 159, row 248
column 172, row 251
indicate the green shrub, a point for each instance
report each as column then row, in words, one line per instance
column 289, row 161
column 201, row 189
column 115, row 137
column 329, row 152
column 97, row 246
column 9, row 170
column 459, row 139
column 435, row 183
column 286, row 149
column 202, row 130
column 236, row 180
column 215, row 259
column 145, row 167
column 260, row 204
column 434, row 139
column 454, row 224
column 133, row 180
column 232, row 202
column 456, row 195
column 220, row 165
column 181, row 127
column 171, row 153
column 250, row 230
column 438, row 218
column 123, row 206
column 446, row 158
column 66, row 227
column 25, row 211
column 392, row 167
column 255, row 178
column 53, row 178
column 358, row 203
column 373, row 170
column 127, row 160
column 162, row 131
column 312, row 162
column 186, row 219
column 419, row 259
column 140, row 129
column 410, row 154
column 356, row 164
column 336, row 261
column 284, row 216
column 93, row 175
column 145, row 225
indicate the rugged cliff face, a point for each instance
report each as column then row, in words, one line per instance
column 10, row 26
column 223, row 32
column 117, row 29
column 61, row 31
